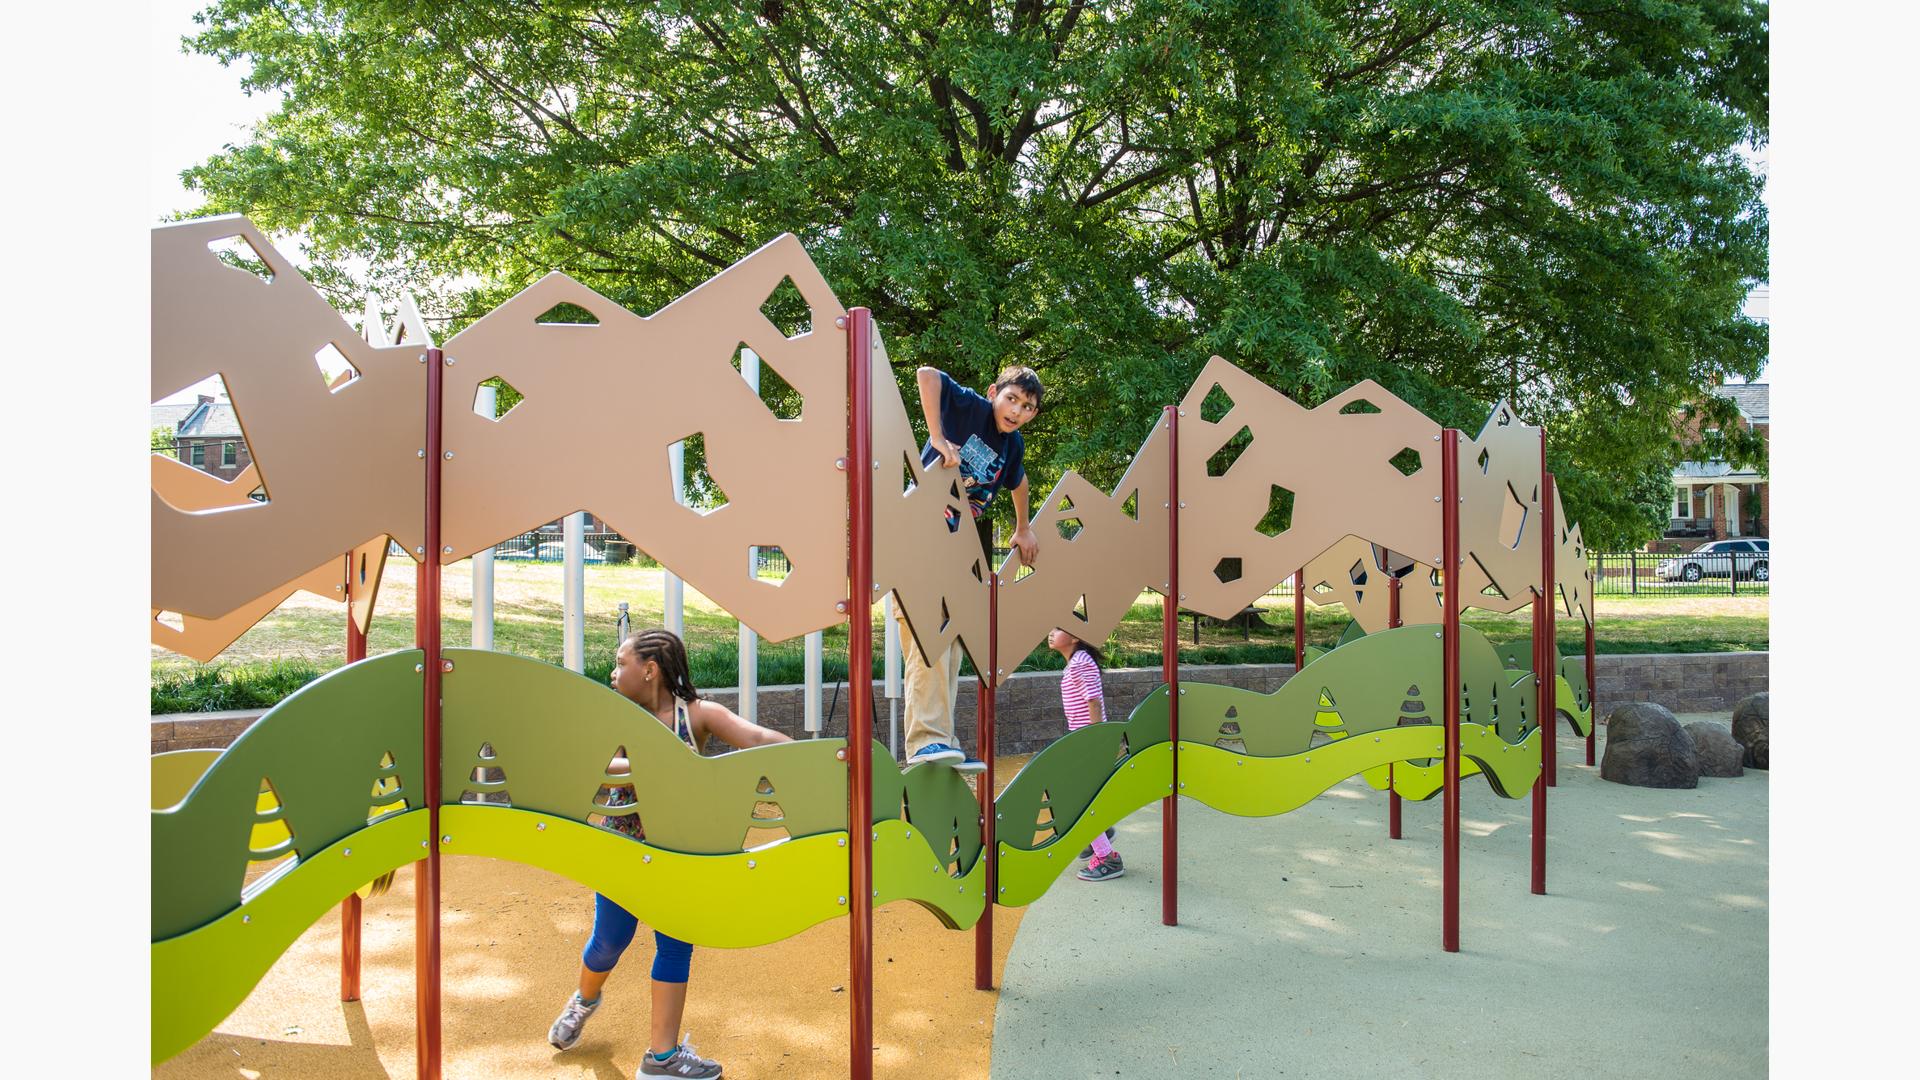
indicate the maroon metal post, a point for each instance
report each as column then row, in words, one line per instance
column 426, row 637
column 1393, row 796
column 860, row 471
column 986, row 700
column 1451, row 561
column 1170, row 674
column 1593, row 691
column 1546, row 656
column 1299, row 620
column 350, row 907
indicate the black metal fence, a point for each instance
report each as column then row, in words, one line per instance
column 1713, row 573
column 611, row 549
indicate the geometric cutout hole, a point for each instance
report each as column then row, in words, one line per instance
column 1279, row 516
column 1225, row 457
column 1216, row 405
column 779, row 396
column 565, row 314
column 1357, row 573
column 336, row 371
column 703, row 494
column 1483, row 461
column 1359, row 407
column 505, row 398
column 239, row 253
column 1227, row 570
column 171, row 620
column 1513, row 519
column 1080, row 608
column 787, row 310
column 1407, row 461
column 766, row 568
column 1069, row 528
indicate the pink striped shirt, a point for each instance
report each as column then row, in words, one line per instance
column 1079, row 685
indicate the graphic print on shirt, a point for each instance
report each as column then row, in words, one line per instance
column 979, row 471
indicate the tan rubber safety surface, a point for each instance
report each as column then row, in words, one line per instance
column 512, row 937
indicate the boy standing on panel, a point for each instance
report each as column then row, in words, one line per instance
column 980, row 435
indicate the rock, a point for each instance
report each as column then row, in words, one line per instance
column 1750, row 729
column 1719, row 755
column 1646, row 747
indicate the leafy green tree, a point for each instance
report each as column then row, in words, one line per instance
column 161, row 439
column 1464, row 199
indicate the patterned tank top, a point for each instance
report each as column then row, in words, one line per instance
column 619, row 795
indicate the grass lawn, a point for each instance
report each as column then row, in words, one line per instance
column 306, row 636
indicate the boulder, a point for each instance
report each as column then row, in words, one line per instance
column 1750, row 729
column 1719, row 755
column 1646, row 747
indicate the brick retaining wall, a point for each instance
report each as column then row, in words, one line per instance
column 1030, row 718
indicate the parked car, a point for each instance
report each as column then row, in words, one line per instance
column 551, row 551
column 1746, row 558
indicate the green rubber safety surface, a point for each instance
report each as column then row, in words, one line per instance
column 201, row 976
column 323, row 752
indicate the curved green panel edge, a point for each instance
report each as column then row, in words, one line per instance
column 1510, row 768
column 321, row 749
column 730, row 901
column 1025, row 874
column 200, row 977
column 1061, row 780
column 551, row 734
column 174, row 773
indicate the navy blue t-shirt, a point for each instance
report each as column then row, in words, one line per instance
column 990, row 459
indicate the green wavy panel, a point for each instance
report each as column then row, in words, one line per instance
column 322, row 752
column 1025, row 874
column 201, row 976
column 735, row 900
column 1510, row 768
column 1057, row 784
column 1576, row 697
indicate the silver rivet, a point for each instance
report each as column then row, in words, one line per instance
column 448, row 455
column 446, row 839
column 1436, row 498
column 841, row 323
column 449, row 361
column 843, row 841
column 1003, row 888
column 1183, row 691
column 841, row 606
column 646, row 858
column 246, row 918
column 1183, row 505
column 1049, row 854
column 448, row 550
column 540, row 826
column 347, row 853
column 1182, row 412
column 420, row 453
column 339, row 588
column 843, row 901
column 421, row 550
column 876, row 466
column 1183, row 785
column 876, row 834
column 418, row 669
column 840, row 463
column 423, row 843
column 909, row 834
column 751, row 864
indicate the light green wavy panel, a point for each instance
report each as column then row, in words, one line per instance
column 174, row 773
column 1056, row 785
column 201, row 976
column 903, row 869
column 322, row 751
column 1025, row 874
column 551, row 735
column 1510, row 767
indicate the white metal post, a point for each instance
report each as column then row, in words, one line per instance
column 749, row 641
column 892, row 679
column 674, row 615
column 815, row 658
column 574, row 591
column 485, row 402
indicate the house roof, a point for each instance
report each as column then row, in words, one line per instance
column 198, row 421
column 1750, row 397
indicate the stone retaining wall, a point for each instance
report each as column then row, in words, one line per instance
column 1029, row 705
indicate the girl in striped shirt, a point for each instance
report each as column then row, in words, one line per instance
column 1084, row 702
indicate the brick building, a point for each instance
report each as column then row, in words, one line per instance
column 1712, row 500
column 206, row 435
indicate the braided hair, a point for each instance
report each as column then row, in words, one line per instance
column 665, row 648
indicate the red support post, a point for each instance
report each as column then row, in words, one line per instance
column 1546, row 657
column 1170, row 674
column 426, row 637
column 1451, row 562
column 986, row 702
column 1593, row 691
column 1393, row 796
column 350, row 907
column 1299, row 620
column 860, row 474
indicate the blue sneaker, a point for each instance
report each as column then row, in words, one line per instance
column 970, row 766
column 936, row 754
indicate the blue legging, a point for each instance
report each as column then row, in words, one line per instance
column 613, row 929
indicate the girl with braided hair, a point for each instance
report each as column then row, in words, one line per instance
column 650, row 669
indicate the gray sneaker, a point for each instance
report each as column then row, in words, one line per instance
column 683, row 1063
column 1104, row 870
column 565, row 1032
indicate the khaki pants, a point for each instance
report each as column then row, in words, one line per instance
column 932, row 691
